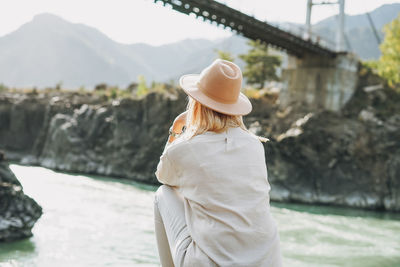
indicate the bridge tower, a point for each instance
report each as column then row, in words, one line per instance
column 340, row 47
column 321, row 82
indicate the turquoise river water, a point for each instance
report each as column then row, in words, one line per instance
column 95, row 221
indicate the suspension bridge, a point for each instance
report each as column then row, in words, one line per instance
column 252, row 28
column 318, row 74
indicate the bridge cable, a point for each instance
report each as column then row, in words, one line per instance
column 373, row 28
column 346, row 37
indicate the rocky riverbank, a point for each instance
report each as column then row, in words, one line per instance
column 18, row 212
column 350, row 158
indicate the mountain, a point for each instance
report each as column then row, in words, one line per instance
column 49, row 50
column 359, row 34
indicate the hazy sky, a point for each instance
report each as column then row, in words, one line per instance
column 133, row 21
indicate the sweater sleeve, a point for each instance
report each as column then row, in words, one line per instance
column 166, row 172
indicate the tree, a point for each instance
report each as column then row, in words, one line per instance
column 389, row 63
column 260, row 66
column 225, row 55
column 101, row 87
column 58, row 86
column 132, row 87
column 142, row 86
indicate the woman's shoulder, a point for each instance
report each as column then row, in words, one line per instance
column 208, row 137
column 178, row 144
column 181, row 144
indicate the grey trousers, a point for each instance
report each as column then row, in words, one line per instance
column 172, row 235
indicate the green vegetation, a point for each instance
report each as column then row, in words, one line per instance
column 251, row 92
column 110, row 92
column 82, row 89
column 389, row 63
column 260, row 65
column 133, row 90
column 265, row 94
column 142, row 87
column 58, row 86
column 225, row 55
column 3, row 88
column 114, row 92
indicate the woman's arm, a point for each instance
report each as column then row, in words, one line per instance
column 166, row 172
column 177, row 126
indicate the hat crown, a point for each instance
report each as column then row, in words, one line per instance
column 221, row 81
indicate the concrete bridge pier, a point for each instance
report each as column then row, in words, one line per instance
column 319, row 82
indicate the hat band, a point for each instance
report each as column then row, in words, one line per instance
column 214, row 97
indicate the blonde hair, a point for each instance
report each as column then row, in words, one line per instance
column 200, row 119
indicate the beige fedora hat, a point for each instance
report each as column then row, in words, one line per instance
column 218, row 87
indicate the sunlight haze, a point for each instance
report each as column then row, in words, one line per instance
column 135, row 21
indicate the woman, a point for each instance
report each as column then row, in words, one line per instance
column 213, row 209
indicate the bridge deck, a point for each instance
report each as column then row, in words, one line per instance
column 249, row 26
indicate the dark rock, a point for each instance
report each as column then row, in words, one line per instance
column 18, row 212
column 336, row 160
column 24, row 119
column 123, row 138
column 350, row 158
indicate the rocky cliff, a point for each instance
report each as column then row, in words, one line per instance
column 18, row 212
column 349, row 158
column 74, row 132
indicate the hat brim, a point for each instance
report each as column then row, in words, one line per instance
column 188, row 82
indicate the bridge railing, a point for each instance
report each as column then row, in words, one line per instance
column 295, row 42
column 295, row 29
column 302, row 32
